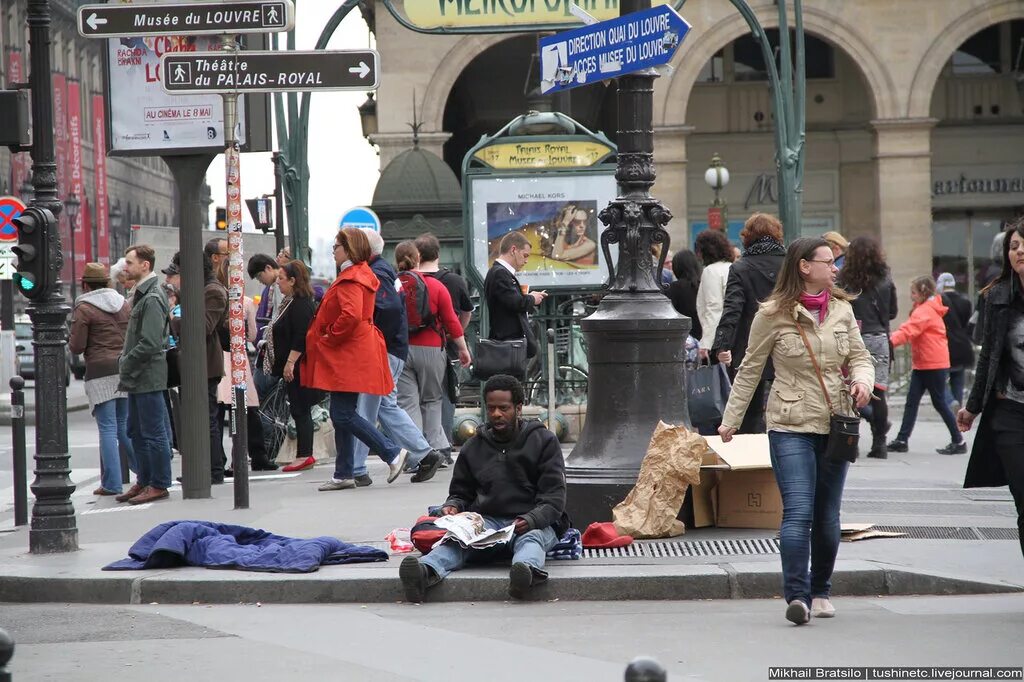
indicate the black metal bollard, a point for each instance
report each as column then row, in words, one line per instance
column 18, row 438
column 6, row 652
column 643, row 669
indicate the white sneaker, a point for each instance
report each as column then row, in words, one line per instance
column 337, row 484
column 797, row 612
column 821, row 607
column 397, row 465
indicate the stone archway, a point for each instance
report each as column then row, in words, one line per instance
column 671, row 102
column 947, row 41
column 451, row 67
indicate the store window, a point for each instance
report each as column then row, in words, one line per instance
column 962, row 244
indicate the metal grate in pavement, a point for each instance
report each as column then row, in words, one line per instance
column 933, row 532
column 999, row 533
column 676, row 550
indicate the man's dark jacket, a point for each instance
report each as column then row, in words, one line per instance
column 507, row 307
column 389, row 314
column 751, row 281
column 523, row 477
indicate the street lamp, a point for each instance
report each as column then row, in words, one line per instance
column 71, row 206
column 717, row 177
column 115, row 227
column 368, row 115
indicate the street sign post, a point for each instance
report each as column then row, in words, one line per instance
column 610, row 49
column 130, row 21
column 270, row 71
column 361, row 217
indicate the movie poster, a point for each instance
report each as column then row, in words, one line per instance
column 145, row 118
column 557, row 214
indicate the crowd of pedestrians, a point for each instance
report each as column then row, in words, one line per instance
column 805, row 333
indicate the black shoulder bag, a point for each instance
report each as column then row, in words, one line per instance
column 843, row 431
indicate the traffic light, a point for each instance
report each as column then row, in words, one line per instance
column 37, row 230
column 222, row 218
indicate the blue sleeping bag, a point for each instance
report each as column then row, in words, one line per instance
column 219, row 545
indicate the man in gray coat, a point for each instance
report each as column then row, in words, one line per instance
column 143, row 376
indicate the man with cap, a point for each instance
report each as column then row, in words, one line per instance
column 512, row 472
column 838, row 243
column 98, row 328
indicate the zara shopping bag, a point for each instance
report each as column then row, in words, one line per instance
column 708, row 389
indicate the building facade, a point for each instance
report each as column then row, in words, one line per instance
column 915, row 118
column 139, row 190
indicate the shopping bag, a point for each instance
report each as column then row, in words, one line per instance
column 708, row 389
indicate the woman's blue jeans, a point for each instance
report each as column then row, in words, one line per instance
column 112, row 422
column 347, row 422
column 812, row 492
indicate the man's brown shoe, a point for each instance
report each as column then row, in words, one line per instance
column 150, row 494
column 130, row 493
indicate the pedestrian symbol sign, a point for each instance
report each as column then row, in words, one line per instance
column 182, row 74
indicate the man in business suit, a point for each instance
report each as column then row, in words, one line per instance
column 507, row 305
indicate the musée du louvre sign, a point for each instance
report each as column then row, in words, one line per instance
column 453, row 15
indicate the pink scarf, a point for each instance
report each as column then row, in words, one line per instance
column 818, row 302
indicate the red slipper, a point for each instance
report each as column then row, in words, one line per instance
column 307, row 463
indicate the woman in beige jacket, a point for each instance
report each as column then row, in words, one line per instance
column 805, row 311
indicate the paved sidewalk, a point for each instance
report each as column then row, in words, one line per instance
column 918, row 489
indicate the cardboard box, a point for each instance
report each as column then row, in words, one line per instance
column 737, row 487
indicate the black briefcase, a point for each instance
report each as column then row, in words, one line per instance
column 500, row 357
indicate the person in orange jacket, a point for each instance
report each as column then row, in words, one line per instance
column 926, row 333
column 346, row 356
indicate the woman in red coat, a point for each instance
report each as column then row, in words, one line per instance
column 346, row 355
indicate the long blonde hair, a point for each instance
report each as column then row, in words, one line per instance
column 790, row 284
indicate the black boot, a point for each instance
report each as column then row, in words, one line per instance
column 878, row 449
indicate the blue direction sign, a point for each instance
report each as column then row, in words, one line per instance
column 609, row 49
column 361, row 217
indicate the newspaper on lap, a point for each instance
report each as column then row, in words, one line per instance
column 467, row 529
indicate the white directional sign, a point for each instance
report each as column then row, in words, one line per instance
column 270, row 71
column 7, row 266
column 133, row 20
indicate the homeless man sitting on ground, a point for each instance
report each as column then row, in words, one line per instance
column 511, row 471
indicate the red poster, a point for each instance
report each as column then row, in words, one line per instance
column 60, row 145
column 21, row 164
column 75, row 176
column 99, row 145
column 716, row 220
column 85, row 219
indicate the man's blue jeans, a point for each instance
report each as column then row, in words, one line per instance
column 112, row 423
column 934, row 382
column 530, row 548
column 812, row 492
column 394, row 422
column 151, row 440
column 348, row 423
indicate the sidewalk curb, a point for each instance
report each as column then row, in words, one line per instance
column 580, row 583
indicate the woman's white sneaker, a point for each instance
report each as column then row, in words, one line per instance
column 821, row 607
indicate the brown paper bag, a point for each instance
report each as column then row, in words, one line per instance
column 671, row 464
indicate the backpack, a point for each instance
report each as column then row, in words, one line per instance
column 417, row 301
column 425, row 533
